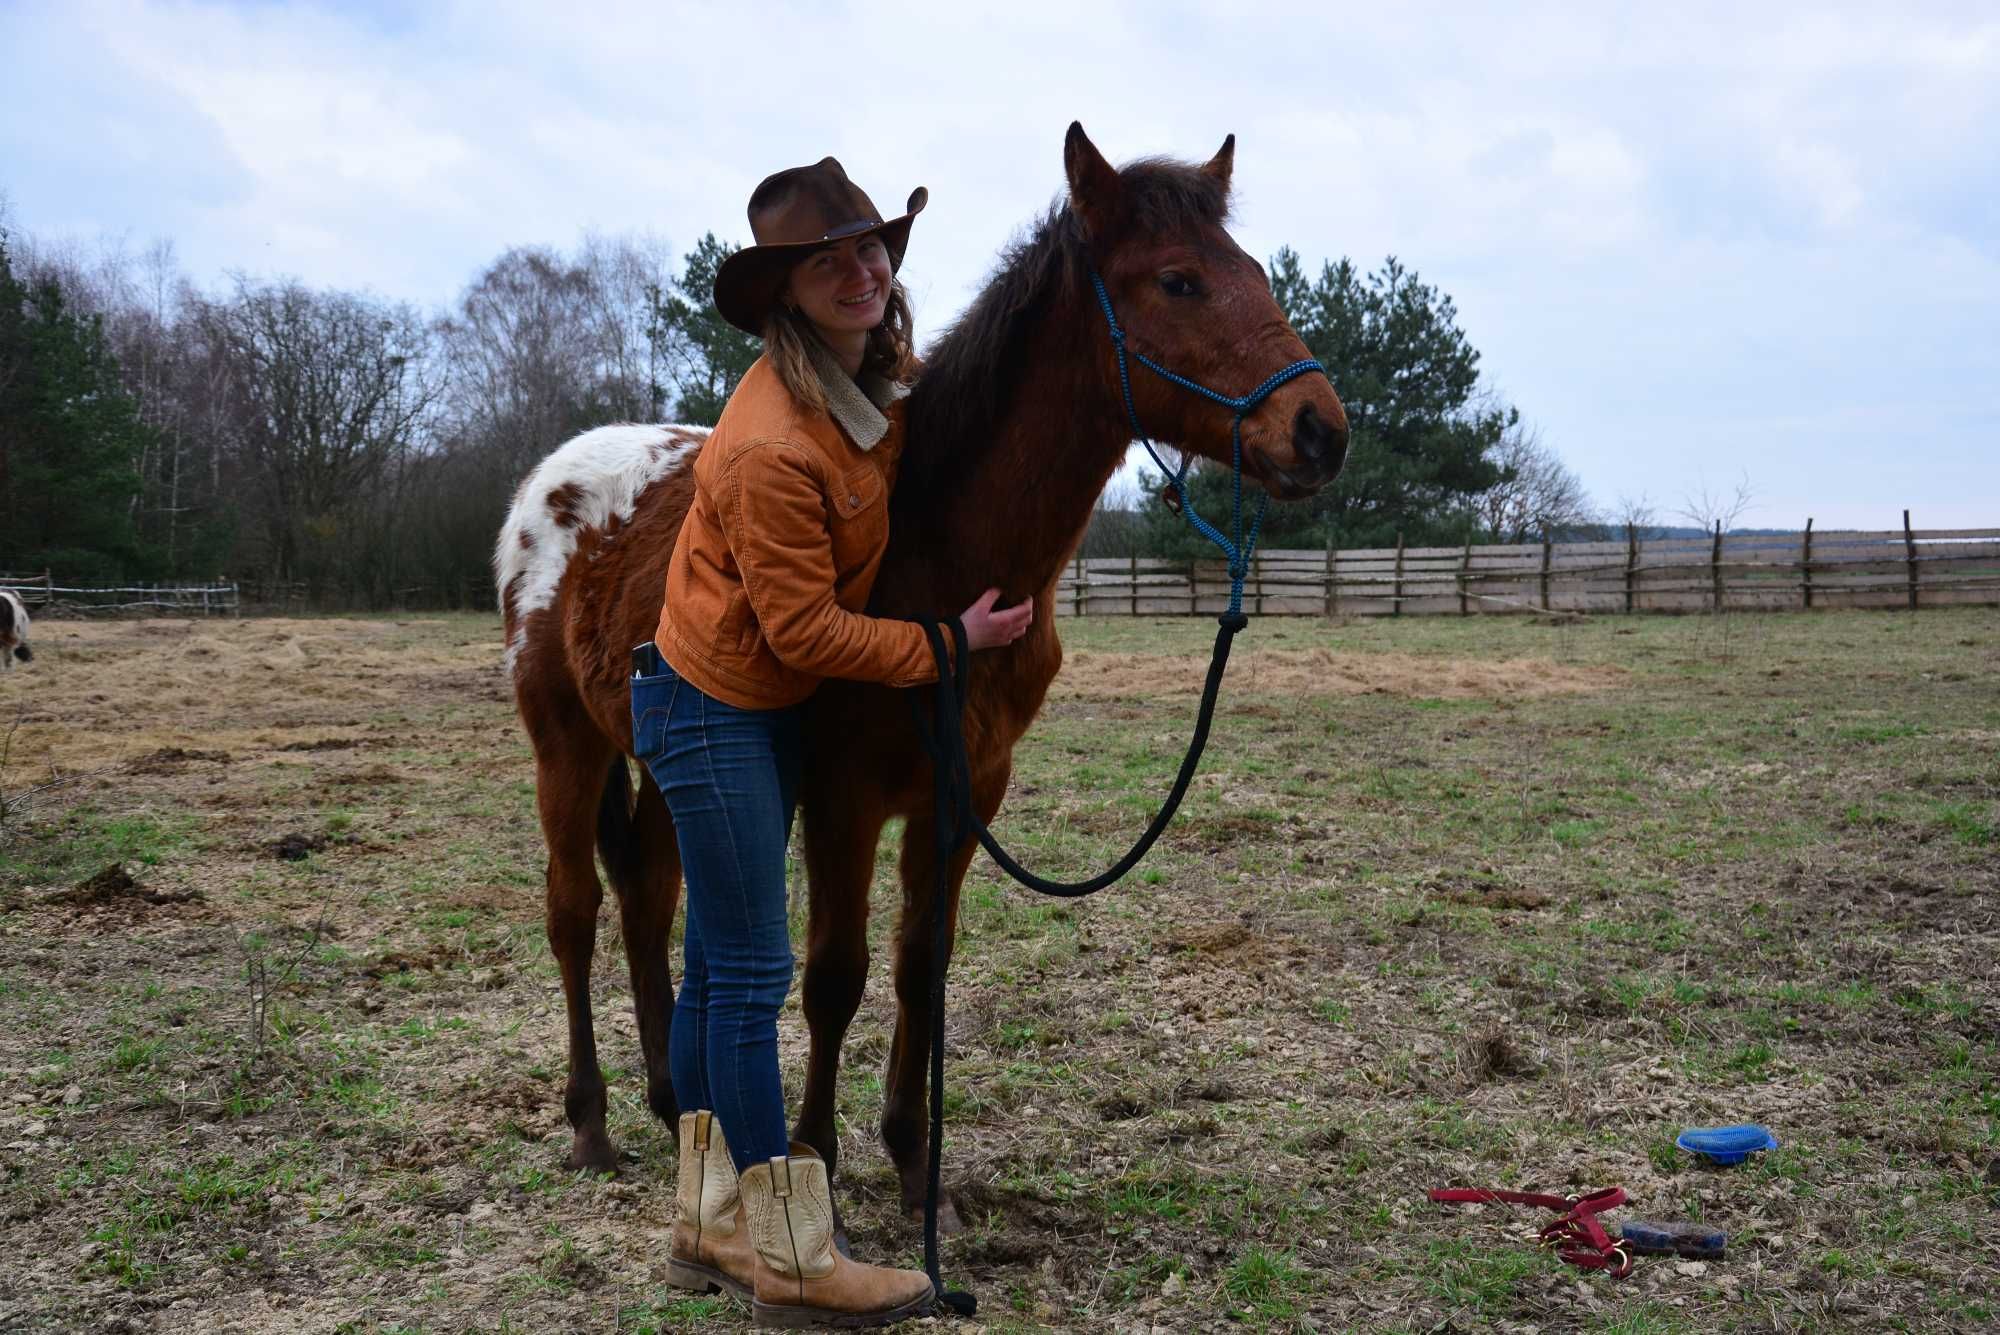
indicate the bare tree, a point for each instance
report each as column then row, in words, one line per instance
column 327, row 393
column 1711, row 509
column 1536, row 495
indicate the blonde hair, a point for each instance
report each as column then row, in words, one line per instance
column 891, row 351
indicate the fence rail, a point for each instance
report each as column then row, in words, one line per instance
column 1904, row 567
column 43, row 594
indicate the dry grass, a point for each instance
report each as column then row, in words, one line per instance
column 1484, row 903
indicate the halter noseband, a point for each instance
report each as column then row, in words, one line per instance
column 1237, row 550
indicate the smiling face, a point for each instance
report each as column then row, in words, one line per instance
column 843, row 288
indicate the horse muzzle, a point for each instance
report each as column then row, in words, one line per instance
column 1318, row 449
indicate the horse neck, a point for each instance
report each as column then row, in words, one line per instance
column 1021, row 506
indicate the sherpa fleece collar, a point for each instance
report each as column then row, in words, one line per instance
column 857, row 405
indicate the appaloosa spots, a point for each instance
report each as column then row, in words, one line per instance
column 591, row 483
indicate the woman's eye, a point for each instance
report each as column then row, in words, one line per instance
column 1178, row 285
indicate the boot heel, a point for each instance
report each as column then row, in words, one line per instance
column 684, row 1276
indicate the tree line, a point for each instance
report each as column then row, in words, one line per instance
column 359, row 452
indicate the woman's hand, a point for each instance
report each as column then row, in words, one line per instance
column 988, row 629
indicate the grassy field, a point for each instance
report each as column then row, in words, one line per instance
column 1482, row 902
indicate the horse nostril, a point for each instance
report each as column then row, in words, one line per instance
column 1320, row 442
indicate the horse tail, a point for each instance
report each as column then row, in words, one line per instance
column 617, row 834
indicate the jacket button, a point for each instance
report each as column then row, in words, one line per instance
column 854, row 500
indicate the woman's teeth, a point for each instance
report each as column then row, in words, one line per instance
column 861, row 300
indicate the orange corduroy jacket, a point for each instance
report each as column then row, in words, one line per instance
column 779, row 552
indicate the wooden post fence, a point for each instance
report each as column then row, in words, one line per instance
column 1464, row 566
column 1332, row 555
column 1547, row 549
column 1715, row 568
column 1631, row 561
column 1805, row 561
column 1910, row 556
column 1396, row 598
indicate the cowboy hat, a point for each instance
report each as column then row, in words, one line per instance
column 793, row 213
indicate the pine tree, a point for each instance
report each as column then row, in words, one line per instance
column 70, row 437
column 1422, row 434
column 705, row 355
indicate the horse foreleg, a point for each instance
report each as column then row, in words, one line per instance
column 905, row 1119
column 567, row 791
column 840, row 865
column 646, row 914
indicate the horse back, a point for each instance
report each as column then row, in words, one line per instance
column 582, row 565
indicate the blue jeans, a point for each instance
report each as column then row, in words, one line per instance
column 731, row 778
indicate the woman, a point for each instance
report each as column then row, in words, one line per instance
column 763, row 600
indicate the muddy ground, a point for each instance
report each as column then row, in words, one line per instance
column 1483, row 902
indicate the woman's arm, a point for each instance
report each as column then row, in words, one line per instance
column 774, row 511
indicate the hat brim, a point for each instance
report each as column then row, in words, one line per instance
column 748, row 283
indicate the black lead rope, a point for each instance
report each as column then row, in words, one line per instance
column 944, row 741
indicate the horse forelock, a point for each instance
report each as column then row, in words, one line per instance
column 588, row 486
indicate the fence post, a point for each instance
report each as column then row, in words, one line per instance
column 1547, row 544
column 1135, row 584
column 1464, row 565
column 1631, row 561
column 1715, row 567
column 1194, row 603
column 1330, row 554
column 1076, row 585
column 1910, row 557
column 1396, row 594
column 1805, row 562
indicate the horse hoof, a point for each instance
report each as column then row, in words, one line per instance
column 949, row 1224
column 592, row 1154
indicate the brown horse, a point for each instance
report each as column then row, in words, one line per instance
column 1014, row 429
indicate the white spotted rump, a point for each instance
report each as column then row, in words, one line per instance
column 591, row 482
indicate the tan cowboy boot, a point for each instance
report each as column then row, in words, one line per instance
column 711, row 1247
column 801, row 1279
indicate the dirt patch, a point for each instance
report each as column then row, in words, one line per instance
column 171, row 759
column 324, row 744
column 115, row 885
column 1327, row 672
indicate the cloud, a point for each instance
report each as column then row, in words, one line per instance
column 1683, row 238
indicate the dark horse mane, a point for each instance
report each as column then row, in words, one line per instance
column 973, row 370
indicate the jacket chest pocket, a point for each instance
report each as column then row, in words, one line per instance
column 860, row 517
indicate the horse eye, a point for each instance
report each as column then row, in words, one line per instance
column 1179, row 285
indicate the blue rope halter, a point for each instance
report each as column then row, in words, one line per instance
column 1236, row 546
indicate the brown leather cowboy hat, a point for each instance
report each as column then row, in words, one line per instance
column 793, row 213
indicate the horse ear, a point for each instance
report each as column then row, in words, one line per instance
column 1095, row 193
column 1222, row 163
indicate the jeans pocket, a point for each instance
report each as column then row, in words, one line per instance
column 652, row 705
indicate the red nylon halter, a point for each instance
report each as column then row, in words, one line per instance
column 1575, row 1236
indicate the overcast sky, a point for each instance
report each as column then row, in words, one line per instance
column 1692, row 246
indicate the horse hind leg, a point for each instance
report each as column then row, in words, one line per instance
column 568, row 785
column 644, row 861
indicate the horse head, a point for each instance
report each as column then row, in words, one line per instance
column 1191, row 301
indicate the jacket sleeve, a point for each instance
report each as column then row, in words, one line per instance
column 777, row 531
